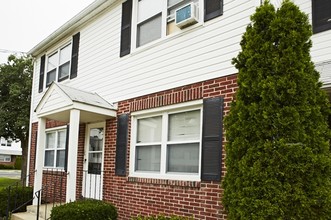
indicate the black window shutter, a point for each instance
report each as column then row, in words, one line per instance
column 74, row 55
column 321, row 14
column 121, row 144
column 213, row 9
column 66, row 150
column 126, row 28
column 42, row 73
column 212, row 139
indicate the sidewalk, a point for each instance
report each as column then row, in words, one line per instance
column 13, row 174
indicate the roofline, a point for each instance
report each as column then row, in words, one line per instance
column 81, row 18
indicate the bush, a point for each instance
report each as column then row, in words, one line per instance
column 19, row 195
column 278, row 159
column 6, row 167
column 85, row 209
column 18, row 163
column 161, row 217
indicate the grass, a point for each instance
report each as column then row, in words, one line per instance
column 4, row 182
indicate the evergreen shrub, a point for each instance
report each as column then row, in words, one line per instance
column 6, row 167
column 278, row 152
column 18, row 163
column 19, row 195
column 88, row 209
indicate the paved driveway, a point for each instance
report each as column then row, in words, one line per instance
column 13, row 174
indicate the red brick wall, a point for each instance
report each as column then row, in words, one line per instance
column 34, row 130
column 80, row 160
column 140, row 196
column 54, row 186
column 53, row 179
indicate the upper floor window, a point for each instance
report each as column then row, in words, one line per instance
column 6, row 142
column 321, row 14
column 156, row 19
column 150, row 20
column 55, row 149
column 58, row 65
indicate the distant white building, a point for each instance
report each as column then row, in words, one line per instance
column 9, row 150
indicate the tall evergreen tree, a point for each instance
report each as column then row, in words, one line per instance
column 278, row 152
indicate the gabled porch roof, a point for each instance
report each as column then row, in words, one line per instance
column 58, row 100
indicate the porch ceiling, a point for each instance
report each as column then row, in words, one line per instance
column 59, row 100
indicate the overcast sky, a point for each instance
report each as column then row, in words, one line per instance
column 25, row 23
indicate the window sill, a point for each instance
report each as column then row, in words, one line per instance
column 165, row 39
column 167, row 182
column 53, row 170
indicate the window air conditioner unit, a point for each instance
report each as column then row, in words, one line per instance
column 186, row 15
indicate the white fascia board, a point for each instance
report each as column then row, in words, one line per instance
column 94, row 109
column 10, row 151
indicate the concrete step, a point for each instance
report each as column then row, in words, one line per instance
column 25, row 216
column 31, row 212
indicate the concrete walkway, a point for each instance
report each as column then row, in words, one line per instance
column 13, row 174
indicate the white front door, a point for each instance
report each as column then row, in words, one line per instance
column 93, row 161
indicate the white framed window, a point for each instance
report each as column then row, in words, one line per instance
column 154, row 19
column 55, row 149
column 167, row 144
column 6, row 142
column 3, row 142
column 5, row 158
column 58, row 65
column 9, row 142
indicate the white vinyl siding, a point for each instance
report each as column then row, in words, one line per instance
column 192, row 55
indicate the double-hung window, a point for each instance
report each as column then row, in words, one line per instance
column 58, row 65
column 5, row 158
column 55, row 149
column 155, row 19
column 3, row 142
column 168, row 145
column 146, row 21
column 6, row 143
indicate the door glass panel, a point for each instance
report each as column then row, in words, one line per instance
column 94, row 165
column 95, row 151
column 96, row 139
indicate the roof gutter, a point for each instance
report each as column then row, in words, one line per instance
column 84, row 16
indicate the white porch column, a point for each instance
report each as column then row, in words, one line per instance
column 40, row 148
column 72, row 155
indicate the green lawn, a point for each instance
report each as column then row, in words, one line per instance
column 4, row 182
